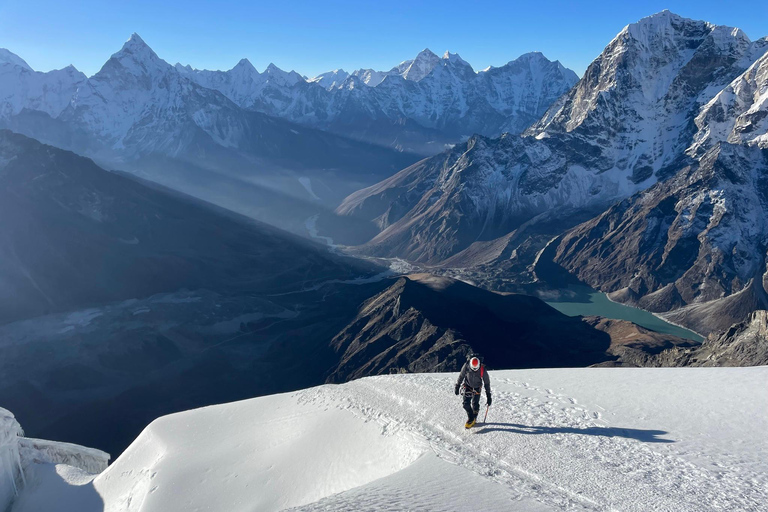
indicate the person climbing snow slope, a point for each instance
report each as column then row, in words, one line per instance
column 471, row 380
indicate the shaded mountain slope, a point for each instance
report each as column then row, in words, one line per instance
column 74, row 235
column 429, row 323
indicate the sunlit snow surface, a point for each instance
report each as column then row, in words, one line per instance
column 570, row 439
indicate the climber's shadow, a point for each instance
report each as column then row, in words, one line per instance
column 646, row 436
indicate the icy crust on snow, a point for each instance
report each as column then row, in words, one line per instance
column 40, row 451
column 683, row 439
column 21, row 460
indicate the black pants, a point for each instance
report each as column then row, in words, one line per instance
column 471, row 402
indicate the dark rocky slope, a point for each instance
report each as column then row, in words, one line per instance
column 425, row 323
column 74, row 235
column 744, row 344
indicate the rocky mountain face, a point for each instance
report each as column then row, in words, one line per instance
column 623, row 127
column 743, row 344
column 694, row 245
column 739, row 113
column 437, row 100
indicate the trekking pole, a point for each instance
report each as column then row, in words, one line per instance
column 486, row 412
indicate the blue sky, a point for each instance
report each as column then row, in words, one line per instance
column 312, row 37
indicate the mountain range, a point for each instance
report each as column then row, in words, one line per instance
column 646, row 179
column 670, row 103
column 269, row 145
column 419, row 106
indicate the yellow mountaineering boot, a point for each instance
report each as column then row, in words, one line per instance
column 469, row 424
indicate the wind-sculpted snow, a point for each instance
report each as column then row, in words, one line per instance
column 41, row 451
column 582, row 440
column 21, row 458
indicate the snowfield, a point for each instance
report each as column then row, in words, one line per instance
column 671, row 439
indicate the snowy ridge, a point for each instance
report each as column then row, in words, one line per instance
column 418, row 68
column 140, row 103
column 330, row 79
column 437, row 93
column 575, row 439
column 23, row 88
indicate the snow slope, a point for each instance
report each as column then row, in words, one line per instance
column 567, row 439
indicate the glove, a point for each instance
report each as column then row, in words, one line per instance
column 457, row 389
column 488, row 401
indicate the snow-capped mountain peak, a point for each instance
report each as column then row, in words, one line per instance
column 275, row 74
column 661, row 23
column 330, row 79
column 136, row 46
column 419, row 67
column 370, row 77
column 532, row 57
column 136, row 58
column 23, row 88
column 184, row 69
column 7, row 57
column 454, row 57
column 459, row 65
column 244, row 65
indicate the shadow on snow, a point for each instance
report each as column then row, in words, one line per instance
column 646, row 436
